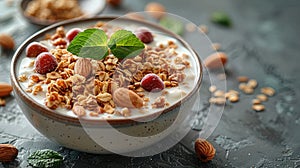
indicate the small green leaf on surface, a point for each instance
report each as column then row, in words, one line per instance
column 45, row 158
column 221, row 18
column 124, row 44
column 92, row 43
column 171, row 24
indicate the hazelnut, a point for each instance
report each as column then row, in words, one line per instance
column 7, row 42
column 155, row 9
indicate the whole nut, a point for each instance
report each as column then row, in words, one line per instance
column 83, row 67
column 7, row 42
column 8, row 152
column 114, row 3
column 5, row 89
column 126, row 98
column 204, row 150
column 155, row 9
column 216, row 60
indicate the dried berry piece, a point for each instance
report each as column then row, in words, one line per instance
column 45, row 62
column 152, row 83
column 144, row 35
column 71, row 34
column 34, row 49
column 204, row 150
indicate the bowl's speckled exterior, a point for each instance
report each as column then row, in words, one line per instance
column 98, row 136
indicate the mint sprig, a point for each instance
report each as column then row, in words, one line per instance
column 93, row 43
column 45, row 158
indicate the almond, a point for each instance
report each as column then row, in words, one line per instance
column 6, row 41
column 126, row 98
column 204, row 150
column 215, row 60
column 5, row 89
column 8, row 152
column 83, row 67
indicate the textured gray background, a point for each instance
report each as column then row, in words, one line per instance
column 262, row 44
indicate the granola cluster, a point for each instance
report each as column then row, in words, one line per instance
column 53, row 9
column 93, row 92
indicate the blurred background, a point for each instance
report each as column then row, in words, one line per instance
column 261, row 42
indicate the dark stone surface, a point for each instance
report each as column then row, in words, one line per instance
column 262, row 44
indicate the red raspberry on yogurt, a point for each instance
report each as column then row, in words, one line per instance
column 152, row 83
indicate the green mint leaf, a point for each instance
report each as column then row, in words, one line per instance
column 91, row 43
column 124, row 44
column 171, row 24
column 221, row 18
column 45, row 158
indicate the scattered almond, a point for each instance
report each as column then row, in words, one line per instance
column 258, row 107
column 204, row 150
column 126, row 98
column 83, row 67
column 267, row 91
column 155, row 9
column 7, row 42
column 216, row 60
column 262, row 97
column 5, row 89
column 8, row 152
column 242, row 79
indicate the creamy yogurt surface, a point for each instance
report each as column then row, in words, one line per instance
column 173, row 95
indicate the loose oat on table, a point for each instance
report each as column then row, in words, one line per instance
column 268, row 91
column 262, row 97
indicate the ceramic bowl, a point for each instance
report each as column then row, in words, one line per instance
column 89, row 7
column 91, row 135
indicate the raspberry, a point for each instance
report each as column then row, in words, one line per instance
column 45, row 62
column 72, row 33
column 144, row 35
column 152, row 83
column 34, row 49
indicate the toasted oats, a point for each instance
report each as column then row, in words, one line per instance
column 219, row 93
column 23, row 78
column 203, row 29
column 125, row 112
column 256, row 101
column 268, row 91
column 258, row 107
column 217, row 100
column 190, row 27
column 212, row 88
column 262, row 97
column 252, row 83
column 233, row 98
column 248, row 90
column 243, row 79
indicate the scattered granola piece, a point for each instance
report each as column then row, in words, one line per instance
column 258, row 107
column 190, row 27
column 217, row 100
column 23, row 78
column 242, row 79
column 256, row 101
column 204, row 150
column 267, row 91
column 219, row 93
column 212, row 88
column 262, row 97
column 233, row 98
column 79, row 111
column 252, row 83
